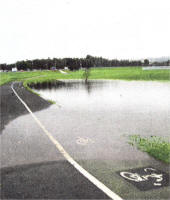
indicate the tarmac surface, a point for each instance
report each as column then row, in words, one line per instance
column 12, row 108
column 31, row 166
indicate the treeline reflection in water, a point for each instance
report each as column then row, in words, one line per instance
column 69, row 85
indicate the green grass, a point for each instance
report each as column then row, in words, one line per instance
column 50, row 101
column 36, row 76
column 129, row 73
column 155, row 146
column 124, row 73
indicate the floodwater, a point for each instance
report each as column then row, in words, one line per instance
column 92, row 121
column 130, row 96
column 156, row 67
column 103, row 113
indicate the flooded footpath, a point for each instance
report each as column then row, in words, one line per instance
column 92, row 122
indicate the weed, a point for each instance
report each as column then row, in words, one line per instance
column 157, row 147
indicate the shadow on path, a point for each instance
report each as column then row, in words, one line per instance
column 48, row 180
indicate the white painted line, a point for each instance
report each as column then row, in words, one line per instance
column 90, row 177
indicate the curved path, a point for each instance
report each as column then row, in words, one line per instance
column 31, row 173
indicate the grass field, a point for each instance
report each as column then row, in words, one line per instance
column 123, row 73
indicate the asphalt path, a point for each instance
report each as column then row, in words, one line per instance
column 32, row 167
column 11, row 107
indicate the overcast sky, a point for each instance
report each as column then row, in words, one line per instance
column 123, row 29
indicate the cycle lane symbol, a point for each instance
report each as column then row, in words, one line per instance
column 146, row 178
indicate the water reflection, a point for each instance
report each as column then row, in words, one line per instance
column 68, row 85
column 88, row 86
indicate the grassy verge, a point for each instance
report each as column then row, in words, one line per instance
column 36, row 76
column 52, row 102
column 123, row 73
column 155, row 146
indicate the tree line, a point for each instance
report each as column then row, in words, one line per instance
column 72, row 63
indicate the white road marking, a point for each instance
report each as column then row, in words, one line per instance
column 84, row 141
column 90, row 177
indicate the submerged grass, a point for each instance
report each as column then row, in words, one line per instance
column 157, row 147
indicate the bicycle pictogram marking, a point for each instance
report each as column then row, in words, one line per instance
column 146, row 178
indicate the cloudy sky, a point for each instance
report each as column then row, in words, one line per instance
column 123, row 29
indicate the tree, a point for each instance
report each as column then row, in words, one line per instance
column 86, row 74
column 146, row 62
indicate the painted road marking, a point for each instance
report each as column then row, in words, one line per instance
column 84, row 141
column 146, row 178
column 90, row 177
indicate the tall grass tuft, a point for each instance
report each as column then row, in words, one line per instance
column 157, row 147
